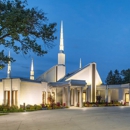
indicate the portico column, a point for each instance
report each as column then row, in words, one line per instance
column 7, row 100
column 46, row 97
column 68, row 96
column 109, row 95
column 56, row 95
column 106, row 94
column 11, row 98
column 86, row 95
column 72, row 96
column 14, row 100
column 75, row 97
column 63, row 96
column 5, row 97
column 81, row 97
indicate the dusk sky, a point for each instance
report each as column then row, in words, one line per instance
column 94, row 30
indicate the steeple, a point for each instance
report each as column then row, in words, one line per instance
column 61, row 48
column 61, row 55
column 9, row 68
column 80, row 64
column 32, row 71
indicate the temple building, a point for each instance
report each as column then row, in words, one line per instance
column 82, row 85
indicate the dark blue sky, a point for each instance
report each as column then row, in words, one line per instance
column 94, row 30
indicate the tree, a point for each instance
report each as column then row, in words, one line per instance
column 117, row 77
column 113, row 78
column 20, row 27
column 126, row 76
column 110, row 78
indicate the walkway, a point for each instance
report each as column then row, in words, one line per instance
column 107, row 118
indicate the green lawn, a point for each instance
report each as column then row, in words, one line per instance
column 1, row 114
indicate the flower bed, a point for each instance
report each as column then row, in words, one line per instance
column 102, row 104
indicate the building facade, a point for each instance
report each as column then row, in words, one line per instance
column 82, row 85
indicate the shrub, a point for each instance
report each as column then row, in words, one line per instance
column 13, row 109
column 21, row 110
column 4, row 110
column 28, row 107
column 32, row 108
column 64, row 104
column 38, row 107
column 58, row 104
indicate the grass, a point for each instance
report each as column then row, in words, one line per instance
column 1, row 114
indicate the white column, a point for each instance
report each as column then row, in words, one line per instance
column 6, row 99
column 106, row 94
column 75, row 97
column 10, row 98
column 72, row 96
column 68, row 96
column 129, row 94
column 86, row 95
column 55, row 95
column 14, row 96
column 109, row 95
column 18, row 97
column 81, row 97
column 46, row 97
column 63, row 96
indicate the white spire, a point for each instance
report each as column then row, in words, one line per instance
column 61, row 55
column 80, row 64
column 32, row 68
column 9, row 68
column 61, row 38
column 32, row 71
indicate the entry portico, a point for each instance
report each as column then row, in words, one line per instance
column 72, row 91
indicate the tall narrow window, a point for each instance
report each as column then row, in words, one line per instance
column 127, row 97
column 84, row 96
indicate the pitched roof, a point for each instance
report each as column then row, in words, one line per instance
column 71, row 74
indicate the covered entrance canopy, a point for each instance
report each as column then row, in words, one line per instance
column 70, row 91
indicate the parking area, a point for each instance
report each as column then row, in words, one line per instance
column 95, row 118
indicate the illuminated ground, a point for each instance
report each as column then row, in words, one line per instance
column 107, row 118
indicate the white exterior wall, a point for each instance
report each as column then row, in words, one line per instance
column 121, row 94
column 114, row 94
column 86, row 74
column 102, row 94
column 59, row 95
column 98, row 79
column 7, row 84
column 89, row 93
column 60, row 71
column 61, row 58
column 11, row 85
column 1, row 93
column 31, row 92
column 49, row 76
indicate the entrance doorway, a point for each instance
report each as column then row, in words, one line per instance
column 127, row 97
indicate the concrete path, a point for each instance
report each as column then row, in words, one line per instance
column 106, row 118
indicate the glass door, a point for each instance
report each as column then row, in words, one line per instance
column 127, row 97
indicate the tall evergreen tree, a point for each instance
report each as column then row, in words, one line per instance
column 126, row 76
column 110, row 79
column 117, row 77
column 113, row 78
